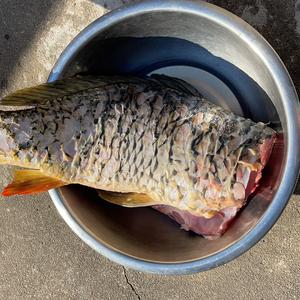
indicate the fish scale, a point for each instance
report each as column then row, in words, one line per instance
column 130, row 135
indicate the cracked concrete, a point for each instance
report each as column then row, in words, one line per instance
column 130, row 284
column 41, row 258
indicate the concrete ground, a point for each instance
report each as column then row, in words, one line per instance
column 41, row 258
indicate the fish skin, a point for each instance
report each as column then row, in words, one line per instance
column 139, row 137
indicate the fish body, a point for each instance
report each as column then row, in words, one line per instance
column 155, row 138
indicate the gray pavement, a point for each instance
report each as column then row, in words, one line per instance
column 41, row 258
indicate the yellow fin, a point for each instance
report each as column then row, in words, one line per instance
column 31, row 182
column 127, row 199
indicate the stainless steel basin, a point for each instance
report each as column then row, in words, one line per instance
column 229, row 61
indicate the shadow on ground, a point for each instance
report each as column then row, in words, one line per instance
column 108, row 4
column 297, row 189
column 20, row 21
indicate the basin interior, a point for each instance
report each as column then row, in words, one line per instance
column 150, row 43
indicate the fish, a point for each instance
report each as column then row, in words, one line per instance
column 139, row 141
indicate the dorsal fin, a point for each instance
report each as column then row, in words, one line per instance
column 43, row 92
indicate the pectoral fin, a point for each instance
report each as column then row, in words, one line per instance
column 31, row 182
column 127, row 199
